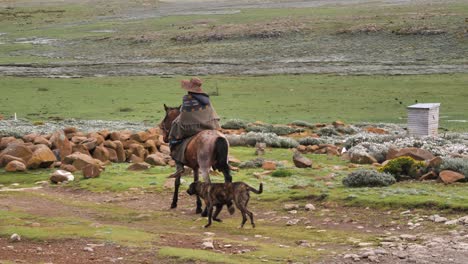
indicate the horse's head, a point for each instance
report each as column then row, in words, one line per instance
column 165, row 125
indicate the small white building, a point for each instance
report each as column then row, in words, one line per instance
column 423, row 119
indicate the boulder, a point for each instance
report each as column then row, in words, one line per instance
column 151, row 146
column 156, row 159
column 112, row 155
column 101, row 153
column 165, row 149
column 14, row 166
column 428, row 176
column 139, row 166
column 448, row 176
column 434, row 163
column 78, row 139
column 125, row 135
column 269, row 165
column 99, row 139
column 18, row 150
column 138, row 150
column 301, row 161
column 120, row 151
column 60, row 141
column 5, row 159
column 338, row 123
column 104, row 133
column 115, row 136
column 80, row 149
column 42, row 140
column 30, row 137
column 68, row 167
column 90, row 143
column 80, row 160
column 5, row 141
column 61, row 176
column 110, row 144
column 301, row 148
column 362, row 158
column 91, row 171
column 135, row 159
column 415, row 153
column 141, row 136
column 70, row 130
column 42, row 157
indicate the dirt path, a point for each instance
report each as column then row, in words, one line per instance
column 181, row 228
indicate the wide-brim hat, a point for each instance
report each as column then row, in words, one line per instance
column 193, row 85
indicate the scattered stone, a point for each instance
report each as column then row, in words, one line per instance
column 207, row 245
column 88, row 249
column 269, row 165
column 301, row 161
column 61, row 176
column 156, row 159
column 293, row 222
column 15, row 238
column 209, row 234
column 352, row 256
column 91, row 171
column 408, row 237
column 289, row 207
column 260, row 148
column 293, row 212
column 309, row 207
column 437, row 219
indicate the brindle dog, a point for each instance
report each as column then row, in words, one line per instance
column 219, row 194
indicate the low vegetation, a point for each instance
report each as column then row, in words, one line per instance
column 368, row 178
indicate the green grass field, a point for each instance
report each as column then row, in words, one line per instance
column 275, row 99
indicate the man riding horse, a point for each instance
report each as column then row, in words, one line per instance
column 196, row 114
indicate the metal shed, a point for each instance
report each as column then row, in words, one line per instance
column 423, row 119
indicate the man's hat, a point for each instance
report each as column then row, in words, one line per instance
column 194, row 85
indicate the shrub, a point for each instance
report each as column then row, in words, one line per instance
column 328, row 131
column 272, row 140
column 348, row 130
column 125, row 109
column 455, row 164
column 235, row 124
column 368, row 178
column 255, row 163
column 310, row 141
column 281, row 173
column 301, row 123
column 277, row 129
column 403, row 167
column 42, row 89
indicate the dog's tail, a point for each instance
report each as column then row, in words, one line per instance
column 260, row 189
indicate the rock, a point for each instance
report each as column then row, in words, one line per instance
column 338, row 123
column 434, row 163
column 139, row 166
column 208, row 245
column 156, row 159
column 61, row 142
column 120, row 151
column 18, row 150
column 101, row 153
column 209, row 234
column 309, row 207
column 5, row 159
column 15, row 238
column 99, row 139
column 428, row 176
column 293, row 222
column 14, row 166
column 91, row 171
column 233, row 160
column 260, row 148
column 81, row 149
column 415, row 153
column 90, row 144
column 30, row 137
column 80, row 160
column 68, row 167
column 112, row 155
column 448, row 176
column 61, row 176
column 151, row 146
column 437, row 219
column 137, row 150
column 42, row 140
column 452, row 222
column 135, row 159
column 268, row 165
column 88, row 249
column 289, row 207
column 352, row 256
column 42, row 157
column 408, row 237
column 5, row 141
column 301, row 161
column 70, row 130
column 302, row 148
column 362, row 158
column 141, row 136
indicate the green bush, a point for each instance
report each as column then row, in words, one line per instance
column 310, row 141
column 281, row 173
column 255, row 163
column 275, row 129
column 328, row 131
column 301, row 123
column 368, row 178
column 455, row 164
column 403, row 167
column 235, row 124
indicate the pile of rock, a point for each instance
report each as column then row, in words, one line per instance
column 328, row 149
column 72, row 150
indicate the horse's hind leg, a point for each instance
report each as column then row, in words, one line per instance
column 227, row 174
column 198, row 210
column 176, row 191
column 205, row 172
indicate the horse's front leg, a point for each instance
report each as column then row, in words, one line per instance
column 176, row 191
column 199, row 203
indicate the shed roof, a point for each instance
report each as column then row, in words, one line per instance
column 424, row 106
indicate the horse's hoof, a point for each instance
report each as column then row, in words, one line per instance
column 173, row 206
column 204, row 214
column 253, row 225
column 218, row 220
column 206, row 226
column 198, row 211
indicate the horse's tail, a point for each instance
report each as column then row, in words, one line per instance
column 221, row 155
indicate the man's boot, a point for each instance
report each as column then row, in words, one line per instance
column 179, row 169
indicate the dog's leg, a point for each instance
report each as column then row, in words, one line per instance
column 216, row 213
column 199, row 203
column 210, row 215
column 241, row 209
column 176, row 192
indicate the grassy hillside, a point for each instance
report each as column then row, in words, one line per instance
column 276, row 99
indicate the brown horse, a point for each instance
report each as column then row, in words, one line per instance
column 207, row 149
